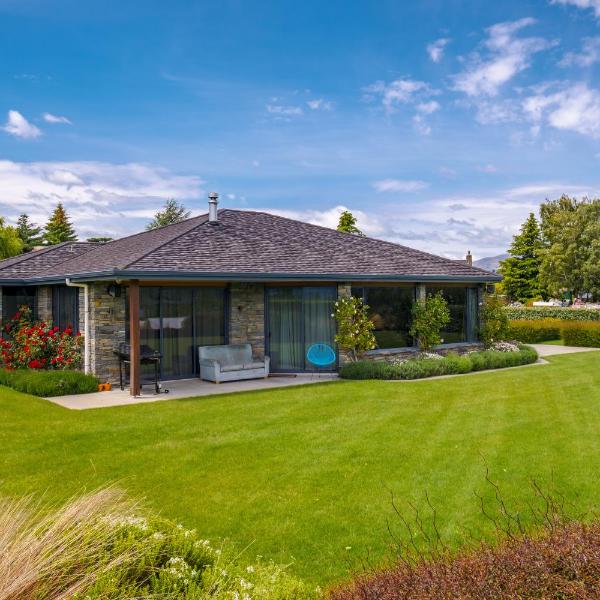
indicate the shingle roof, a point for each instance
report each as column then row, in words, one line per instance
column 255, row 244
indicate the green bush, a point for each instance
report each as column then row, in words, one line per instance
column 429, row 316
column 48, row 383
column 451, row 364
column 534, row 331
column 551, row 312
column 581, row 334
column 494, row 321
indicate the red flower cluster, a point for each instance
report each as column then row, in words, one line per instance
column 29, row 345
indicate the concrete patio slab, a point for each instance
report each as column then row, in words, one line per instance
column 553, row 350
column 185, row 388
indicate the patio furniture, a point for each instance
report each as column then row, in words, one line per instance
column 321, row 355
column 148, row 356
column 231, row 362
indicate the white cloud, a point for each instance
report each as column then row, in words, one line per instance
column 428, row 108
column 102, row 198
column 280, row 110
column 50, row 118
column 436, row 49
column 399, row 185
column 589, row 55
column 593, row 4
column 507, row 55
column 19, row 126
column 400, row 91
column 319, row 104
column 575, row 107
column 489, row 168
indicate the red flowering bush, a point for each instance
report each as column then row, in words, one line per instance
column 38, row 345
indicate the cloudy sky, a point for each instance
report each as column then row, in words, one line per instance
column 439, row 123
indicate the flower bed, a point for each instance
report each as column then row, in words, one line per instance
column 48, row 383
column 499, row 356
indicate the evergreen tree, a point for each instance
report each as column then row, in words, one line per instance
column 347, row 223
column 30, row 234
column 521, row 270
column 100, row 239
column 172, row 212
column 10, row 242
column 59, row 228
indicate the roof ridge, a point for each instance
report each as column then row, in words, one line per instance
column 357, row 237
column 153, row 249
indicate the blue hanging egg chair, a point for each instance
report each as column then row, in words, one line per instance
column 321, row 355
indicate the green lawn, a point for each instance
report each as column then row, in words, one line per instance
column 307, row 472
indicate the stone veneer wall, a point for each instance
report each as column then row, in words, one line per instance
column 107, row 330
column 44, row 303
column 247, row 316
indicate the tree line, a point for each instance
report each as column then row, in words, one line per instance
column 557, row 254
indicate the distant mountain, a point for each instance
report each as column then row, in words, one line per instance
column 490, row 263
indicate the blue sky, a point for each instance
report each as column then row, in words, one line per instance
column 441, row 124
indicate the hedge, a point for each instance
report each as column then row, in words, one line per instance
column 534, row 332
column 48, row 383
column 451, row 364
column 551, row 312
column 581, row 334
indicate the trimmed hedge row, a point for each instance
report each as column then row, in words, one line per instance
column 531, row 313
column 573, row 333
column 48, row 383
column 430, row 367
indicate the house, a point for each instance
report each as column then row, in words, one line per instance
column 234, row 276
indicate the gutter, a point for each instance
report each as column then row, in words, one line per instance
column 86, row 322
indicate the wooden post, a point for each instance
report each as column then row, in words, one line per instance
column 134, row 338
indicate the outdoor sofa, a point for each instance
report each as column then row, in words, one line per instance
column 231, row 362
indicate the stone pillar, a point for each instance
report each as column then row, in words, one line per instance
column 107, row 330
column 247, row 316
column 44, row 303
column 344, row 290
column 421, row 291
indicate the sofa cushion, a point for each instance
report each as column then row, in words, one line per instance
column 229, row 354
column 228, row 368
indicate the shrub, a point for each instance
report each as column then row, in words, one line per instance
column 581, row 333
column 429, row 317
column 48, row 383
column 451, row 364
column 533, row 332
column 551, row 312
column 354, row 328
column 97, row 547
column 494, row 321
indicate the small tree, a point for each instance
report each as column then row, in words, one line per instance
column 429, row 316
column 172, row 212
column 10, row 242
column 30, row 234
column 347, row 223
column 354, row 328
column 59, row 228
column 99, row 239
column 494, row 321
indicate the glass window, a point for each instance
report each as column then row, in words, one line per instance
column 13, row 298
column 462, row 303
column 209, row 312
column 390, row 310
column 65, row 307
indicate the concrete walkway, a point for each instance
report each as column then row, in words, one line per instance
column 185, row 388
column 553, row 350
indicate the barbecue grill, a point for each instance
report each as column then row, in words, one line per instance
column 148, row 356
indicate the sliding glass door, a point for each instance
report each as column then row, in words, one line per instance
column 297, row 318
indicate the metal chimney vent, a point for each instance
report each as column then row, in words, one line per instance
column 213, row 202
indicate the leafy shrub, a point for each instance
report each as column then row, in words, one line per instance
column 354, row 328
column 48, row 383
column 451, row 364
column 494, row 321
column 533, row 332
column 581, row 333
column 551, row 312
column 97, row 546
column 429, row 317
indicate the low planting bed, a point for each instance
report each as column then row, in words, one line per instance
column 501, row 356
column 48, row 383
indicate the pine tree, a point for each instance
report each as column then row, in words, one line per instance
column 347, row 223
column 59, row 228
column 521, row 270
column 10, row 242
column 30, row 234
column 173, row 212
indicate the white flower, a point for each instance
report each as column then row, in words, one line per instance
column 250, row 569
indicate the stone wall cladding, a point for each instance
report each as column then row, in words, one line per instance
column 107, row 330
column 44, row 303
column 247, row 316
